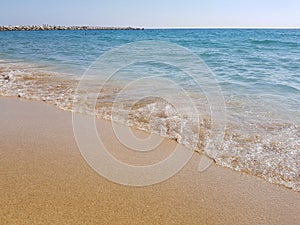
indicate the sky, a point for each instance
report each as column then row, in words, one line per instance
column 153, row 13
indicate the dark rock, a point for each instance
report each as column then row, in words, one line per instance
column 49, row 27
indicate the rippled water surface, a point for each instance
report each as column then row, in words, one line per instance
column 258, row 72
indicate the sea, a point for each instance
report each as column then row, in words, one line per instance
column 243, row 84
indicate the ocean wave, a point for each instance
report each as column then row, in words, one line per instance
column 269, row 42
column 263, row 148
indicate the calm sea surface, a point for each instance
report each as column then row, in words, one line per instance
column 258, row 72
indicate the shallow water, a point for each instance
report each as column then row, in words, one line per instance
column 258, row 72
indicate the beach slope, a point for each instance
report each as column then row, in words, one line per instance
column 45, row 180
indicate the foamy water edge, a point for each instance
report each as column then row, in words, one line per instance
column 274, row 156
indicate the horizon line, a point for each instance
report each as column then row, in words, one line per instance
column 208, row 27
column 221, row 27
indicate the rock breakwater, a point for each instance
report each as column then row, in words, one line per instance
column 54, row 27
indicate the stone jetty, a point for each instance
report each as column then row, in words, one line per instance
column 54, row 27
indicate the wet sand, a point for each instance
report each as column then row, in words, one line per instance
column 45, row 180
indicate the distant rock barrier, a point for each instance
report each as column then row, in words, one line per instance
column 53, row 27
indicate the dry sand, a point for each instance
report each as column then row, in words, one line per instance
column 45, row 180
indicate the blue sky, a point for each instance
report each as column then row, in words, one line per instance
column 153, row 13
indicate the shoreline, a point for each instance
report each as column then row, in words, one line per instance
column 30, row 84
column 46, row 180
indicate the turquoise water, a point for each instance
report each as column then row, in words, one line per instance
column 245, row 62
column 258, row 72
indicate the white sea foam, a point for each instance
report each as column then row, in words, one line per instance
column 265, row 148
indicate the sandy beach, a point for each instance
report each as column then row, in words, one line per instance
column 45, row 180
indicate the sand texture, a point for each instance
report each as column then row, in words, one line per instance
column 45, row 180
